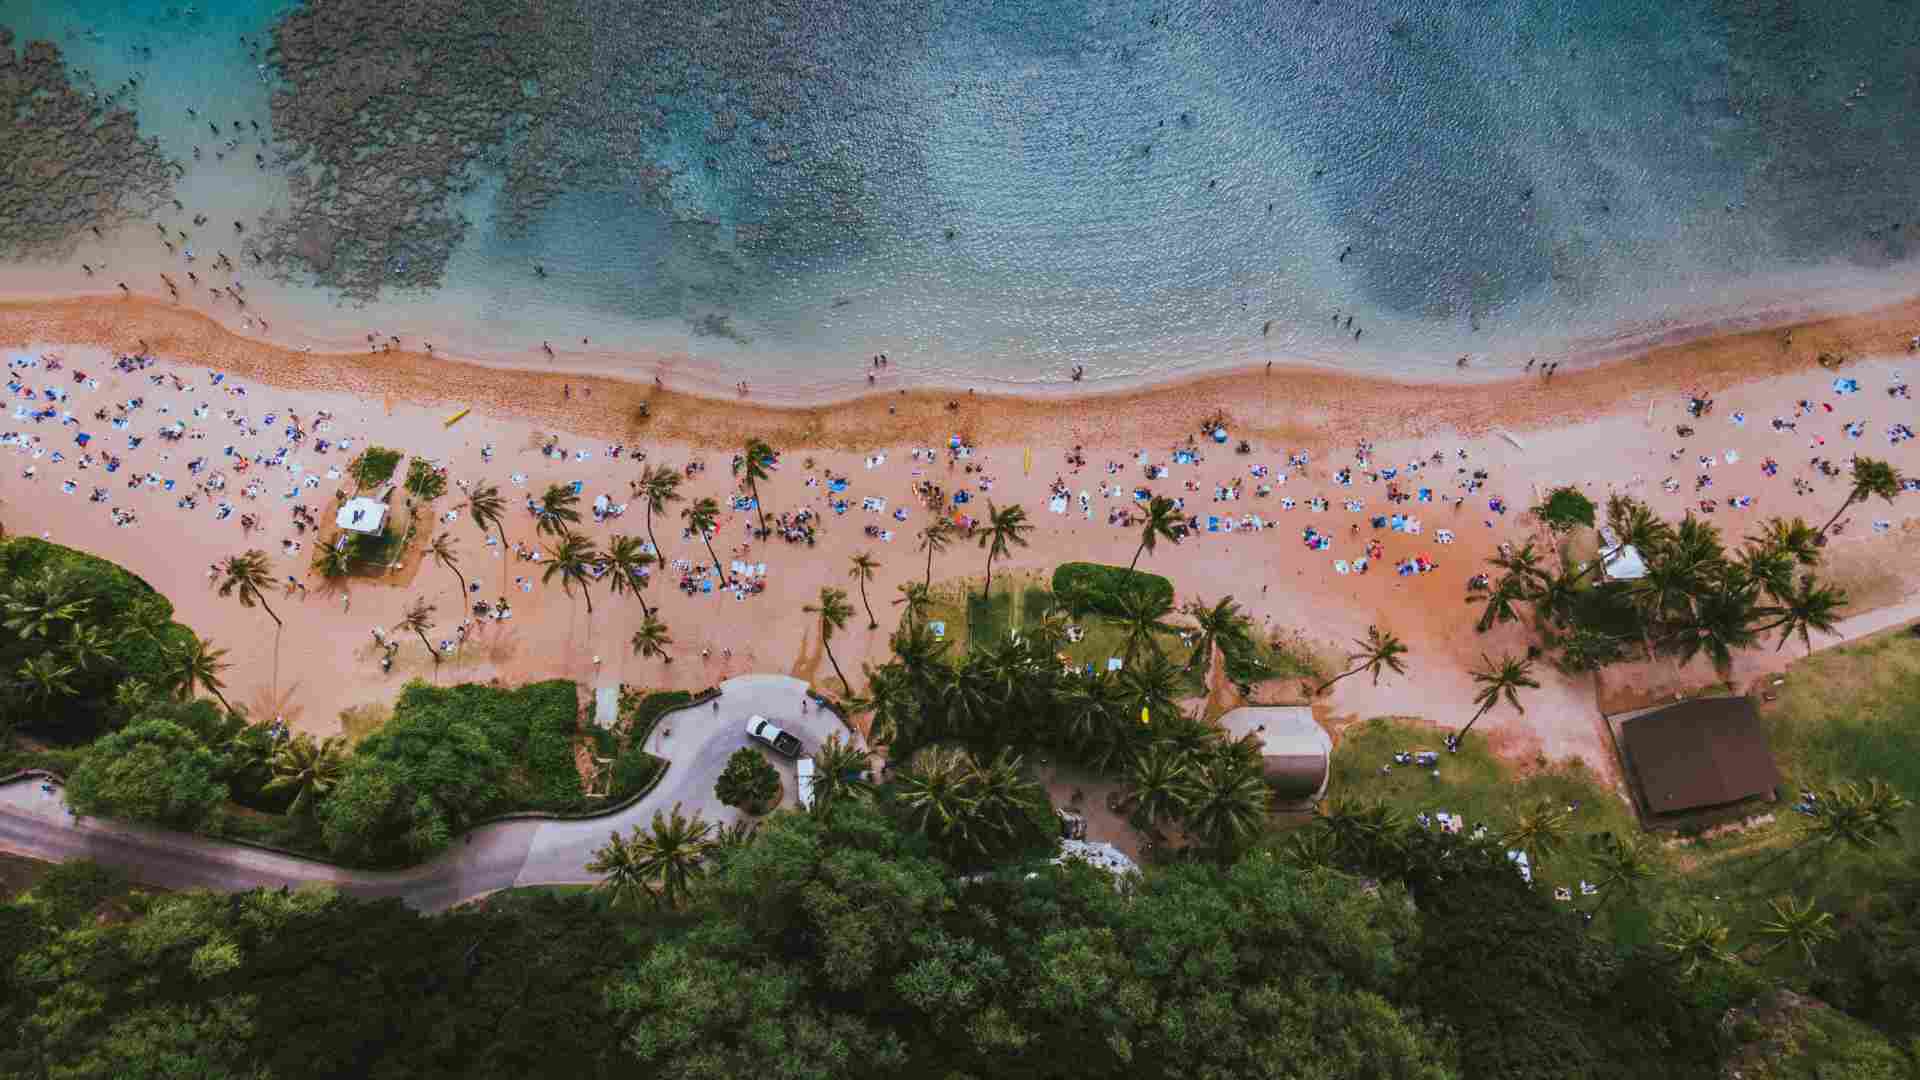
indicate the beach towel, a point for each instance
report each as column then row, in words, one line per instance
column 876, row 460
column 1057, row 504
column 837, row 485
column 1846, row 386
column 1340, row 566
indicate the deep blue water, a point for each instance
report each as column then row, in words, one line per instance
column 996, row 191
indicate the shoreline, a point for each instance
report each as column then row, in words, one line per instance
column 1314, row 398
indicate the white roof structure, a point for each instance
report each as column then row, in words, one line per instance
column 362, row 515
column 1624, row 563
column 1296, row 749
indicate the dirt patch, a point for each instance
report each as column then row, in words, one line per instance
column 1640, row 684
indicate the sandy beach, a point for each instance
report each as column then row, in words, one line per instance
column 1470, row 457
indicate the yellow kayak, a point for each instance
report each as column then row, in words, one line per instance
column 1029, row 465
column 459, row 416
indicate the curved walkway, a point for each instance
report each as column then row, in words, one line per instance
column 35, row 823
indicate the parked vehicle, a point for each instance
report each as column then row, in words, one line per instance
column 803, row 771
column 763, row 729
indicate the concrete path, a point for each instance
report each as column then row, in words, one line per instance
column 34, row 822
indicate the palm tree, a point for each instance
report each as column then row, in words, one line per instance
column 488, row 510
column 665, row 860
column 1538, row 829
column 444, row 554
column 425, row 482
column 1871, row 477
column 1505, row 679
column 1381, row 650
column 1524, row 565
column 703, row 517
column 87, row 647
column 1697, row 940
column 1722, row 621
column 625, row 561
column 572, row 560
column 1852, row 818
column 1006, row 529
column 660, row 487
column 1499, row 602
column 937, row 792
column 310, row 769
column 333, row 561
column 916, row 600
column 1157, row 788
column 1227, row 803
column 559, row 510
column 1624, row 863
column 619, row 864
column 754, row 457
column 247, row 576
column 1008, row 798
column 1163, row 520
column 418, row 617
column 833, row 611
column 197, row 665
column 1795, row 538
column 42, row 679
column 34, row 607
column 839, row 769
column 1809, row 606
column 888, row 701
column 1799, row 926
column 1142, row 614
column 862, row 572
column 652, row 639
column 935, row 538
column 1635, row 524
column 1222, row 625
column 1151, row 687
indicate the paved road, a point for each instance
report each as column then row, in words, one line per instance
column 35, row 823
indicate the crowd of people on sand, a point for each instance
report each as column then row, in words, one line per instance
column 203, row 443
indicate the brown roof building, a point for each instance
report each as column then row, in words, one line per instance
column 1698, row 755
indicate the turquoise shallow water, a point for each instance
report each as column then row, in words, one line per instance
column 994, row 192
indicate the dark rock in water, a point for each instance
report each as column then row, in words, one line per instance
column 717, row 325
column 66, row 165
column 386, row 109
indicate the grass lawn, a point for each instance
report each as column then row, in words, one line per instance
column 1480, row 787
column 1850, row 714
column 1022, row 598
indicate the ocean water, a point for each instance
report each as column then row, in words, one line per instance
column 991, row 193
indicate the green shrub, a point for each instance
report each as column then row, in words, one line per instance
column 1095, row 587
column 632, row 772
column 374, row 466
column 749, row 781
column 136, row 619
column 423, row 481
column 1565, row 508
column 649, row 711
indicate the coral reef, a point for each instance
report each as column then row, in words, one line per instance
column 387, row 110
column 67, row 159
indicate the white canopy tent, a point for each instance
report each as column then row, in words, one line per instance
column 362, row 515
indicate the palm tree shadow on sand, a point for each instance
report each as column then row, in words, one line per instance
column 268, row 705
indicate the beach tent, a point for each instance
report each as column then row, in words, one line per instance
column 362, row 515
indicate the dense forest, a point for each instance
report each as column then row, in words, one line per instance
column 840, row 944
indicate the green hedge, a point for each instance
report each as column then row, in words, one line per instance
column 1095, row 587
column 632, row 772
